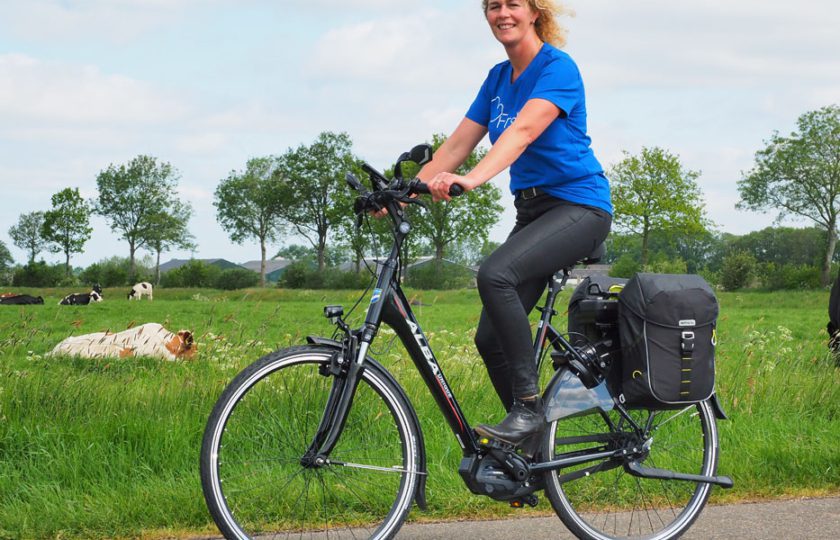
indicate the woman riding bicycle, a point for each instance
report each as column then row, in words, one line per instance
column 534, row 108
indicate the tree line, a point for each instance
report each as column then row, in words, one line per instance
column 660, row 220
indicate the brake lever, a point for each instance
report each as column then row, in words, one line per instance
column 416, row 200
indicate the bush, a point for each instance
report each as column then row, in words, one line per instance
column 737, row 271
column 192, row 274
column 711, row 277
column 790, row 276
column 625, row 266
column 114, row 272
column 662, row 264
column 438, row 275
column 39, row 274
column 237, row 278
column 304, row 275
column 296, row 275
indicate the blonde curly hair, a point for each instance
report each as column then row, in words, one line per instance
column 547, row 27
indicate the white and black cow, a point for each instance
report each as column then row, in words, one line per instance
column 144, row 288
column 81, row 299
column 20, row 299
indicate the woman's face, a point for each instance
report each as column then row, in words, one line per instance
column 510, row 20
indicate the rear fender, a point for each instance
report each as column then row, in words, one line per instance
column 370, row 363
column 717, row 408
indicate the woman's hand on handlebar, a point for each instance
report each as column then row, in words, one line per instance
column 440, row 184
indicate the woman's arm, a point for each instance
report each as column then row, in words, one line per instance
column 455, row 150
column 536, row 115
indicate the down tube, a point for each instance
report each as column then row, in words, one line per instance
column 398, row 315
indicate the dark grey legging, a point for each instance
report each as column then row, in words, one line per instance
column 550, row 234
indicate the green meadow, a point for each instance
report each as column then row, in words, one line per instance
column 109, row 448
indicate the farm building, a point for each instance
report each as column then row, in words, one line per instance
column 178, row 263
column 274, row 268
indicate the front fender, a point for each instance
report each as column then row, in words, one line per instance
column 420, row 497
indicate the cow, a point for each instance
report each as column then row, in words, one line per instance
column 150, row 339
column 144, row 288
column 81, row 299
column 20, row 299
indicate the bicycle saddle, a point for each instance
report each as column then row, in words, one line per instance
column 595, row 256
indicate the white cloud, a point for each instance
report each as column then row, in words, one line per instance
column 115, row 21
column 39, row 94
column 426, row 51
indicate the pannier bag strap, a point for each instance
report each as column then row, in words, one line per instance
column 687, row 349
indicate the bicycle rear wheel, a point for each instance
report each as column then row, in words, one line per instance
column 610, row 503
column 251, row 471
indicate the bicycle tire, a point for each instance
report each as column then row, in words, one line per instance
column 252, row 478
column 610, row 504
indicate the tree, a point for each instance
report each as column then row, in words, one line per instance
column 27, row 234
column 297, row 252
column 67, row 225
column 133, row 196
column 6, row 262
column 653, row 193
column 467, row 218
column 313, row 180
column 168, row 230
column 249, row 204
column 783, row 245
column 799, row 176
column 6, row 259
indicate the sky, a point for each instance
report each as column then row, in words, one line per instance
column 207, row 84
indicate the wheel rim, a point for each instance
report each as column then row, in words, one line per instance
column 265, row 428
column 614, row 504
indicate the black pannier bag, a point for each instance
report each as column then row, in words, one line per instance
column 593, row 323
column 592, row 317
column 667, row 331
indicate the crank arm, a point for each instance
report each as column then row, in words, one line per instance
column 634, row 468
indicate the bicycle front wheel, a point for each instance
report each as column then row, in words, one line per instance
column 251, row 471
column 610, row 503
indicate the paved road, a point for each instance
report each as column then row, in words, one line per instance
column 807, row 519
column 804, row 519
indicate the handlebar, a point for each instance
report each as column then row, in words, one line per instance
column 389, row 193
column 455, row 190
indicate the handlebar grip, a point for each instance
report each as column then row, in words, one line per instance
column 455, row 190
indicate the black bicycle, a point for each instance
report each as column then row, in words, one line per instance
column 320, row 440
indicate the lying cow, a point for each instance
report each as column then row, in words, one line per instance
column 149, row 339
column 20, row 299
column 144, row 288
column 81, row 299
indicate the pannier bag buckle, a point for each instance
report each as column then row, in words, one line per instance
column 687, row 340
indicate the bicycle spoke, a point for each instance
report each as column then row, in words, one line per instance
column 616, row 504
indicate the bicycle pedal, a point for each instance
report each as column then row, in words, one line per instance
column 530, row 500
column 496, row 444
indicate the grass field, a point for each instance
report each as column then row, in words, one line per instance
column 109, row 448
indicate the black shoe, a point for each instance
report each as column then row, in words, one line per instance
column 526, row 418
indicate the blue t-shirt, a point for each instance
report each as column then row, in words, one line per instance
column 560, row 161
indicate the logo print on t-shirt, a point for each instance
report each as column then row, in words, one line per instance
column 502, row 120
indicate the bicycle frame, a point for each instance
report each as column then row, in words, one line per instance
column 388, row 304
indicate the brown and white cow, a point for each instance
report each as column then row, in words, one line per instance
column 150, row 339
column 144, row 288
